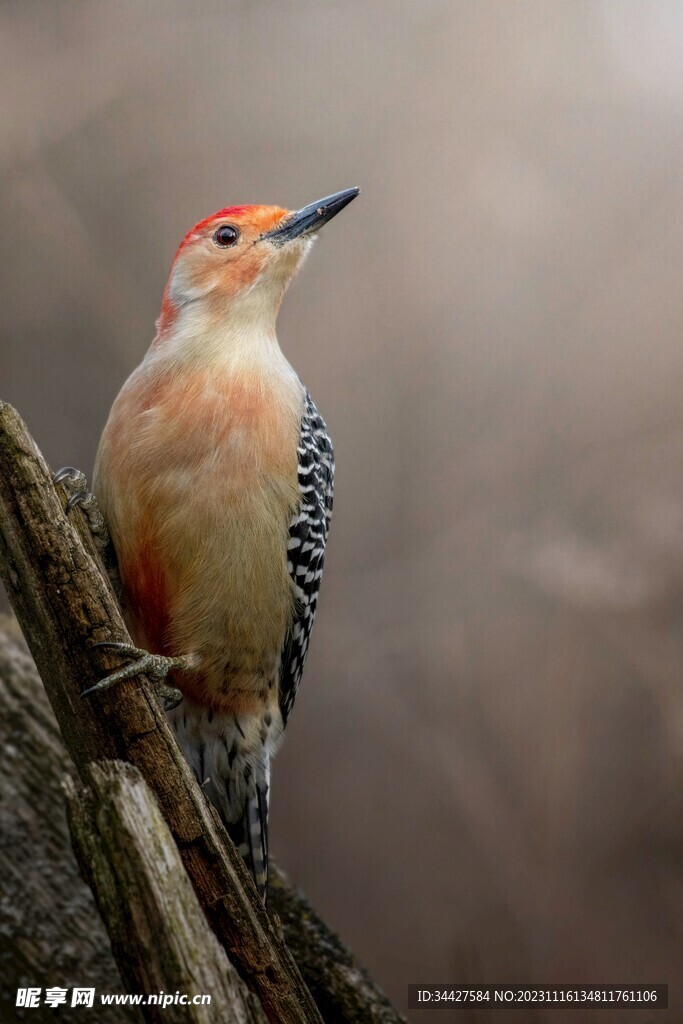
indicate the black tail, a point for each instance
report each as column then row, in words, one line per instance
column 250, row 836
column 234, row 776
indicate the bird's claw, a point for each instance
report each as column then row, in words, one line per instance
column 66, row 473
column 155, row 666
column 76, row 486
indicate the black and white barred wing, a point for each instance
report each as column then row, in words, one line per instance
column 306, row 547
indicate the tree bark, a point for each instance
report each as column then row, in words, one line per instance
column 64, row 604
column 145, row 898
column 50, row 932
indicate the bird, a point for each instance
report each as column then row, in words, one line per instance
column 214, row 477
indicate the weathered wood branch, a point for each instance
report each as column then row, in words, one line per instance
column 50, row 933
column 145, row 898
column 63, row 601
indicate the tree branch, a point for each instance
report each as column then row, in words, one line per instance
column 50, row 933
column 126, row 852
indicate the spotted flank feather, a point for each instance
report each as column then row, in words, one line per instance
column 306, row 547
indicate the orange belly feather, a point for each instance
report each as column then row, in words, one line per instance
column 197, row 479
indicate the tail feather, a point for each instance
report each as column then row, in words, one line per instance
column 232, row 765
column 250, row 836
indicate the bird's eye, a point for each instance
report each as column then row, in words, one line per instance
column 226, row 235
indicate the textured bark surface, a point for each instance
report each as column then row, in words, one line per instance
column 60, row 594
column 147, row 902
column 50, row 931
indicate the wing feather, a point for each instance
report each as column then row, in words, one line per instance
column 306, row 547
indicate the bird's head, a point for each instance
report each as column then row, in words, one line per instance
column 239, row 261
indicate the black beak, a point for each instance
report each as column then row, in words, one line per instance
column 311, row 217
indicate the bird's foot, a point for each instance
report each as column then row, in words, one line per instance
column 76, row 486
column 155, row 666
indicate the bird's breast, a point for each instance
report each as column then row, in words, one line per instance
column 197, row 478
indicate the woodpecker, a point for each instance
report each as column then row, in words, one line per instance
column 214, row 476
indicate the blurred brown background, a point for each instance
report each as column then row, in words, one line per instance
column 482, row 779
